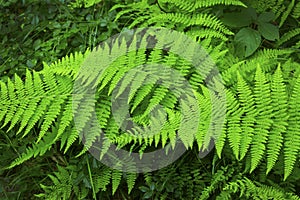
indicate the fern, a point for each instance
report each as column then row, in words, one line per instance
column 187, row 20
column 194, row 5
column 287, row 36
column 256, row 123
column 291, row 144
column 287, row 12
column 103, row 179
column 130, row 178
column 262, row 100
column 216, row 179
column 250, row 190
column 264, row 132
column 62, row 185
column 247, row 102
column 280, row 117
column 74, row 100
column 296, row 12
column 190, row 16
column 116, row 178
column 233, row 107
column 242, row 116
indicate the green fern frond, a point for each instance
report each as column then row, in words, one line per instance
column 199, row 34
column 189, row 121
column 296, row 11
column 292, row 136
column 234, row 133
column 131, row 178
column 191, row 6
column 103, row 179
column 133, row 61
column 66, row 118
column 141, row 94
column 280, row 108
column 263, row 101
column 205, row 108
column 216, row 179
column 51, row 115
column 39, row 112
column 287, row 12
column 90, row 133
column 287, row 36
column 3, row 97
column 116, row 179
column 28, row 113
column 137, row 7
column 68, row 65
column 205, row 20
column 196, row 80
column 68, row 138
column 11, row 105
column 267, row 58
column 233, row 107
column 62, row 185
column 158, row 95
column 249, row 114
column 250, row 190
column 35, row 92
column 37, row 149
column 19, row 87
column 192, row 15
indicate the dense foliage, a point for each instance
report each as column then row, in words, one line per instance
column 254, row 45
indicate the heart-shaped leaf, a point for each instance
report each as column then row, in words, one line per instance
column 269, row 31
column 249, row 39
column 266, row 17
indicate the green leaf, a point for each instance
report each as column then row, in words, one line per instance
column 249, row 39
column 144, row 188
column 31, row 63
column 269, row 31
column 236, row 20
column 266, row 17
column 37, row 44
column 240, row 19
column 147, row 195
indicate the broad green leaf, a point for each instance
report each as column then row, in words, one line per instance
column 269, row 31
column 266, row 17
column 240, row 19
column 249, row 39
column 143, row 188
column 236, row 20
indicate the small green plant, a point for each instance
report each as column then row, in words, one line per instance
column 33, row 32
column 251, row 29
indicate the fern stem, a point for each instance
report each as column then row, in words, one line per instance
column 91, row 178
